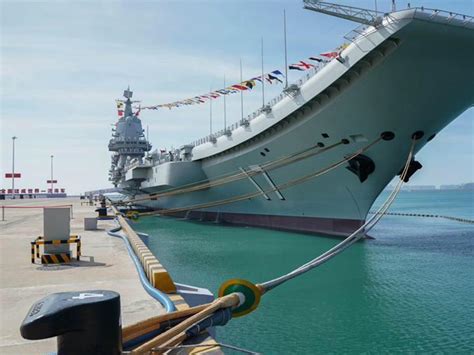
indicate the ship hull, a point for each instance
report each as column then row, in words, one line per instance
column 406, row 83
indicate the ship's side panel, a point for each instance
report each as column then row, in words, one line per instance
column 419, row 85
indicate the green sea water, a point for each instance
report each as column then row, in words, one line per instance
column 409, row 290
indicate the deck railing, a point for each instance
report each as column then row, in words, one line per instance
column 362, row 30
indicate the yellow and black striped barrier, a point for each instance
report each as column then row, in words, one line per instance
column 60, row 258
column 54, row 258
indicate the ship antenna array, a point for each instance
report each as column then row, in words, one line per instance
column 351, row 13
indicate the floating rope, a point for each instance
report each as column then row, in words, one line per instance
column 425, row 215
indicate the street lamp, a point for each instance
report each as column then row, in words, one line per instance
column 13, row 166
column 52, row 181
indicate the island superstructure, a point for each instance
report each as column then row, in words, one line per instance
column 128, row 142
column 404, row 75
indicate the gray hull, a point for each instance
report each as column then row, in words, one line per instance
column 413, row 74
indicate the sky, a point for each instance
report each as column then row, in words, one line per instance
column 63, row 64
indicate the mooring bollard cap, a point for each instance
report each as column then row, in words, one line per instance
column 64, row 312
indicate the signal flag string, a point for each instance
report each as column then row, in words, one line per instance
column 272, row 77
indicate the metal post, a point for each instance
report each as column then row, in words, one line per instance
column 72, row 214
column 78, row 250
column 52, row 156
column 13, row 167
column 147, row 141
column 32, row 252
column 3, row 213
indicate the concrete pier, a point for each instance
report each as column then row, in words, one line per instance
column 105, row 264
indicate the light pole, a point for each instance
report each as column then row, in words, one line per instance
column 52, row 181
column 13, row 166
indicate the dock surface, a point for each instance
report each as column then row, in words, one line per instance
column 105, row 264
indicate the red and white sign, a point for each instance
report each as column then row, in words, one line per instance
column 11, row 175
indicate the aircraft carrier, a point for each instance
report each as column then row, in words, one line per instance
column 315, row 158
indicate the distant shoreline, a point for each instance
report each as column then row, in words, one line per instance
column 463, row 187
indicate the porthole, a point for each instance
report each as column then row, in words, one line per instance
column 325, row 135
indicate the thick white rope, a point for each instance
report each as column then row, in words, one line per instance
column 207, row 346
column 237, row 175
column 280, row 187
column 351, row 239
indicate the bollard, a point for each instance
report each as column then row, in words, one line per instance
column 102, row 211
column 85, row 322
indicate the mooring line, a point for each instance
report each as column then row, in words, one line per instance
column 241, row 296
column 210, row 346
column 351, row 239
column 281, row 186
column 238, row 174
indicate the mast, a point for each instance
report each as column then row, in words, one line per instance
column 241, row 95
column 128, row 103
column 210, row 112
column 263, row 79
column 286, row 54
column 225, row 111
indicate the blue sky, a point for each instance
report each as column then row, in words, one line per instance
column 64, row 63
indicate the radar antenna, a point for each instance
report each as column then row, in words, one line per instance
column 127, row 93
column 351, row 13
